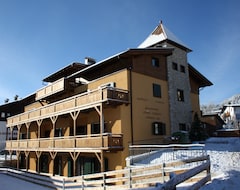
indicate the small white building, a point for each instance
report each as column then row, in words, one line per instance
column 231, row 116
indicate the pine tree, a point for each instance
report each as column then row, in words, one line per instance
column 197, row 132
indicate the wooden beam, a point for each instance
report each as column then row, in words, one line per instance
column 74, row 114
column 53, row 154
column 54, row 119
column 38, row 153
column 74, row 155
column 39, row 122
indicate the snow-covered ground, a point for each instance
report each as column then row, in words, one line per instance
column 225, row 167
column 10, row 183
column 225, row 163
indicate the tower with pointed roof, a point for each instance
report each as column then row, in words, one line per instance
column 178, row 75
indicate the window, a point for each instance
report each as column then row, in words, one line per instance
column 3, row 115
column 182, row 68
column 95, row 128
column 174, row 66
column 183, row 127
column 58, row 132
column 157, row 90
column 155, row 62
column 158, row 128
column 180, row 95
column 81, row 130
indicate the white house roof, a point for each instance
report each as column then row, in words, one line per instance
column 161, row 33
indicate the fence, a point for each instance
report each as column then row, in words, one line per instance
column 143, row 154
column 132, row 177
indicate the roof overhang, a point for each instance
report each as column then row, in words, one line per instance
column 64, row 72
column 202, row 80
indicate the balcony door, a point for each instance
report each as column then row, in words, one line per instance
column 44, row 163
column 58, row 165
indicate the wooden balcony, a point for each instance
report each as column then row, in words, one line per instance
column 51, row 89
column 83, row 143
column 79, row 102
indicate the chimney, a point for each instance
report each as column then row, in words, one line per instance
column 89, row 61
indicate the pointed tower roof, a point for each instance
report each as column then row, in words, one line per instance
column 160, row 34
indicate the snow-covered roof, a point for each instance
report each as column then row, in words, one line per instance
column 160, row 34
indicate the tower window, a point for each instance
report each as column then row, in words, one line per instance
column 174, row 66
column 180, row 95
column 182, row 68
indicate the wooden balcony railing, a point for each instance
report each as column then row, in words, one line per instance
column 105, row 141
column 81, row 101
column 51, row 89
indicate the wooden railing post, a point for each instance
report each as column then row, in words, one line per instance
column 82, row 182
column 104, row 181
column 163, row 172
column 130, row 177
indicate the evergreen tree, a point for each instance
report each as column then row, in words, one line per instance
column 197, row 132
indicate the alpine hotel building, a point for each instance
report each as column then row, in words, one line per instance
column 89, row 113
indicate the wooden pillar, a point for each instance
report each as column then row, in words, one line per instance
column 11, row 130
column 18, row 154
column 53, row 156
column 74, row 156
column 19, row 129
column 26, row 158
column 28, row 134
column 101, row 115
column 74, row 116
column 54, row 120
column 100, row 158
column 38, row 153
column 39, row 122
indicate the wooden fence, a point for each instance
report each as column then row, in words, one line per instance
column 165, row 175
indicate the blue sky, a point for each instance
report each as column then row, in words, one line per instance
column 38, row 37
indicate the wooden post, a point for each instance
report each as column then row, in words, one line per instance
column 74, row 156
column 39, row 122
column 26, row 159
column 101, row 115
column 53, row 156
column 28, row 134
column 54, row 120
column 38, row 153
column 130, row 178
column 18, row 154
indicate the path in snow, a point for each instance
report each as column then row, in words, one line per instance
column 10, row 183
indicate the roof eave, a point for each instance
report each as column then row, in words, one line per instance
column 204, row 81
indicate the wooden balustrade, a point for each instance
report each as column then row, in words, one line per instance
column 105, row 141
column 81, row 101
